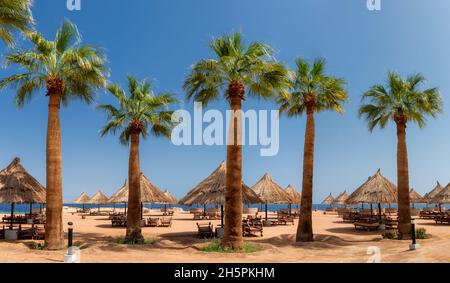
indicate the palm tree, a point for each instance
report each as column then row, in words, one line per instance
column 68, row 71
column 313, row 92
column 140, row 113
column 14, row 15
column 401, row 101
column 235, row 69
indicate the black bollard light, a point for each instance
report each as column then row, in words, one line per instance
column 70, row 238
column 414, row 245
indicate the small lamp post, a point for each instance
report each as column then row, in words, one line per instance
column 413, row 246
column 70, row 238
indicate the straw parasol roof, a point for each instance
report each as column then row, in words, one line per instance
column 415, row 197
column 341, row 199
column 17, row 186
column 443, row 197
column 172, row 199
column 293, row 194
column 82, row 199
column 212, row 190
column 98, row 198
column 270, row 192
column 434, row 192
column 149, row 193
column 328, row 200
column 377, row 189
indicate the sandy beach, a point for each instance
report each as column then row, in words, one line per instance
column 335, row 241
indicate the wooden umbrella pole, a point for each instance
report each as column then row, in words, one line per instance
column 266, row 211
column 31, row 208
column 12, row 217
column 221, row 215
column 379, row 213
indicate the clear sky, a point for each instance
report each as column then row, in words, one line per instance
column 160, row 39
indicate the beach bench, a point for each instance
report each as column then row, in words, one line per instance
column 251, row 227
column 366, row 226
column 205, row 230
column 442, row 219
column 119, row 221
column 152, row 222
column 166, row 222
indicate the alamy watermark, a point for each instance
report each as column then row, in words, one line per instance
column 73, row 5
column 252, row 128
column 374, row 5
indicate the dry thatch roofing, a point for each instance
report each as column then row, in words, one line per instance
column 82, row 199
column 415, row 197
column 293, row 194
column 172, row 199
column 17, row 186
column 270, row 192
column 212, row 190
column 434, row 192
column 443, row 197
column 328, row 200
column 377, row 189
column 149, row 193
column 341, row 199
column 98, row 198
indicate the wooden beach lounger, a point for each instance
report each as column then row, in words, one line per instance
column 366, row 226
column 251, row 227
column 205, row 230
column 166, row 222
column 152, row 222
column 119, row 221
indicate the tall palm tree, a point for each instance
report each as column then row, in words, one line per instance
column 313, row 92
column 67, row 70
column 236, row 69
column 14, row 15
column 139, row 114
column 401, row 101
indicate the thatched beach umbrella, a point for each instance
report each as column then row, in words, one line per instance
column 149, row 194
column 294, row 196
column 82, row 199
column 341, row 199
column 415, row 197
column 114, row 199
column 328, row 200
column 443, row 197
column 171, row 198
column 434, row 192
column 376, row 190
column 212, row 191
column 17, row 186
column 98, row 199
column 270, row 192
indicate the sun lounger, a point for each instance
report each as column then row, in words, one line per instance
column 152, row 222
column 198, row 216
column 366, row 226
column 442, row 219
column 251, row 227
column 205, row 230
column 166, row 222
column 119, row 221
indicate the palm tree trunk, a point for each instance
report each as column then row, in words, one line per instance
column 134, row 233
column 304, row 230
column 404, row 210
column 232, row 237
column 54, row 236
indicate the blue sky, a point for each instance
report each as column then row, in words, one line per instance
column 160, row 39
